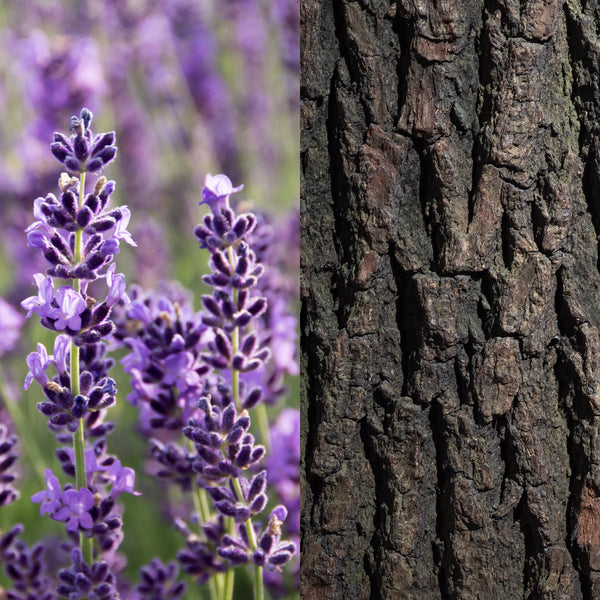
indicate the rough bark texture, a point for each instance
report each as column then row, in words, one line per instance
column 451, row 299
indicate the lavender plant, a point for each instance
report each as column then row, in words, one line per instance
column 79, row 234
column 196, row 377
column 199, row 374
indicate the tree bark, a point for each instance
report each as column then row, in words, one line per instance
column 450, row 299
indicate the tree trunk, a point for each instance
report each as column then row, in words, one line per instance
column 451, row 299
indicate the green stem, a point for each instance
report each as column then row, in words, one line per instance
column 78, row 437
column 235, row 385
column 235, row 340
column 263, row 425
column 258, row 578
column 229, row 583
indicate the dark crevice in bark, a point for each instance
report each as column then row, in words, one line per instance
column 383, row 501
column 531, row 529
column 341, row 34
column 349, row 54
column 339, row 192
column 511, row 469
column 482, row 112
column 574, row 410
column 566, row 324
column 538, row 223
column 407, row 320
column 507, row 239
column 486, row 66
column 344, row 236
column 343, row 295
column 426, row 199
column 444, row 512
column 533, row 547
column 484, row 306
column 462, row 374
column 312, row 386
column 578, row 464
column 584, row 94
column 591, row 191
column 405, row 30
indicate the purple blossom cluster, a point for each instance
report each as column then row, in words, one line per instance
column 33, row 577
column 78, row 236
column 198, row 379
column 226, row 450
column 195, row 378
column 25, row 567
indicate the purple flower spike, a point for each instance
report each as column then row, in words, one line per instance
column 75, row 509
column 51, row 498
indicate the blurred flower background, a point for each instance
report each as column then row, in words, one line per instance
column 191, row 87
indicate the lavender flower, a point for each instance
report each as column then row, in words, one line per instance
column 25, row 568
column 75, row 509
column 271, row 552
column 200, row 558
column 165, row 338
column 42, row 303
column 81, row 152
column 123, row 479
column 103, row 230
column 225, row 448
column 50, row 499
column 83, row 581
column 70, row 307
column 78, row 235
column 190, row 374
column 159, row 582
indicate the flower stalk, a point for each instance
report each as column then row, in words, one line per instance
column 85, row 544
column 78, row 235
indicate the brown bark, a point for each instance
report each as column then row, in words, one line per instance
column 450, row 299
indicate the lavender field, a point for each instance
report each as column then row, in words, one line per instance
column 149, row 186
